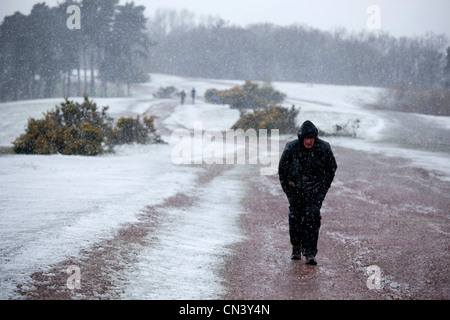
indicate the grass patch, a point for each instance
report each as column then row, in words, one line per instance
column 425, row 101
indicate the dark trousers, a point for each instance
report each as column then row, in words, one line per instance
column 304, row 223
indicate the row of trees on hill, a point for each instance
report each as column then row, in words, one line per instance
column 39, row 53
column 41, row 57
column 213, row 49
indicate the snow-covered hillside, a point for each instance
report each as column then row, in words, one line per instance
column 51, row 207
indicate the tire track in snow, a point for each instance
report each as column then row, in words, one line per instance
column 102, row 265
column 142, row 260
column 190, row 246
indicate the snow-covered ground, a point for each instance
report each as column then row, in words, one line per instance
column 385, row 132
column 53, row 206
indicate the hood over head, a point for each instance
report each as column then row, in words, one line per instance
column 307, row 130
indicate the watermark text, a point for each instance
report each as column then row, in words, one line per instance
column 374, row 279
column 227, row 147
column 74, row 280
column 373, row 21
column 74, row 21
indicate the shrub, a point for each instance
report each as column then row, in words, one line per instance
column 348, row 129
column 130, row 130
column 166, row 93
column 247, row 96
column 81, row 129
column 85, row 139
column 273, row 117
column 70, row 128
column 213, row 96
column 427, row 101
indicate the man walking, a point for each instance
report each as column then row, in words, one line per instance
column 306, row 170
column 182, row 95
column 193, row 95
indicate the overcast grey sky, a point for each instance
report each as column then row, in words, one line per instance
column 397, row 17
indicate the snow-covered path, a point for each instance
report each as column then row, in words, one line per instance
column 139, row 226
column 188, row 249
column 172, row 250
column 58, row 211
column 54, row 206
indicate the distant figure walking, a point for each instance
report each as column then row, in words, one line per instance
column 182, row 95
column 193, row 95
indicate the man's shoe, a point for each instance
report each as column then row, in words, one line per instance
column 296, row 253
column 311, row 260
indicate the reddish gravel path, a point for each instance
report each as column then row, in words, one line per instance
column 378, row 212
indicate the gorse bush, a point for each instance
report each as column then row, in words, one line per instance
column 133, row 130
column 272, row 117
column 82, row 129
column 263, row 100
column 166, row 93
column 247, row 96
column 70, row 128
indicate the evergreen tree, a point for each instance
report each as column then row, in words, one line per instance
column 12, row 68
column 446, row 81
column 127, row 48
column 46, row 47
column 69, row 44
column 97, row 23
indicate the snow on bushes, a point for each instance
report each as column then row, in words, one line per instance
column 82, row 129
column 247, row 96
column 272, row 117
column 130, row 130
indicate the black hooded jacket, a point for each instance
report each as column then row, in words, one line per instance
column 311, row 170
